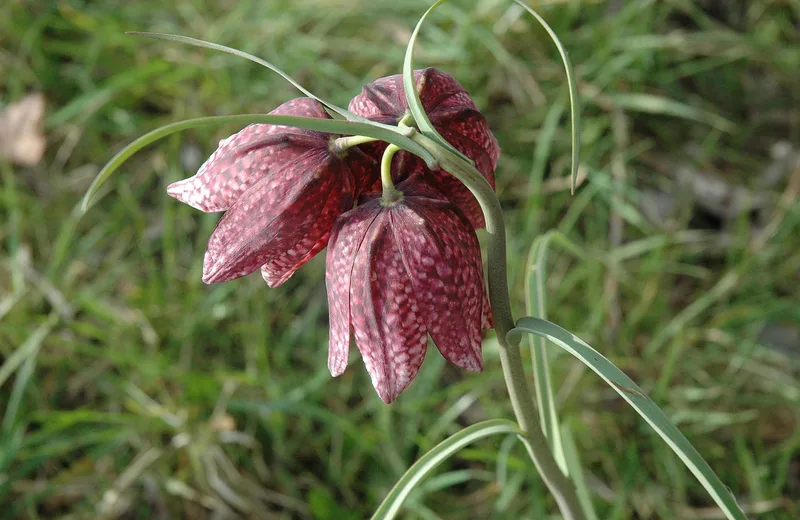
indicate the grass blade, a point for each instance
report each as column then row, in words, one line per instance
column 576, row 474
column 382, row 132
column 412, row 96
column 255, row 59
column 651, row 104
column 640, row 402
column 27, row 349
column 438, row 454
column 536, row 305
column 575, row 113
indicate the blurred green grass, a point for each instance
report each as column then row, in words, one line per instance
column 128, row 389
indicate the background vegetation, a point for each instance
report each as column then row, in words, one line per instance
column 128, row 389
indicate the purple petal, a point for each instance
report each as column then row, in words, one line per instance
column 387, row 322
column 442, row 256
column 245, row 158
column 345, row 241
column 453, row 114
column 275, row 215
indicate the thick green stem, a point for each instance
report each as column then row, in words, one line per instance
column 510, row 358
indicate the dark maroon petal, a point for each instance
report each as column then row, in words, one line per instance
column 456, row 192
column 245, row 158
column 279, row 268
column 346, row 237
column 384, row 99
column 416, row 186
column 442, row 256
column 290, row 256
column 455, row 117
column 387, row 322
column 365, row 169
column 468, row 131
column 276, row 214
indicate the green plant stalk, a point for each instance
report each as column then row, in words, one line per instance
column 390, row 193
column 342, row 144
column 535, row 305
column 510, row 357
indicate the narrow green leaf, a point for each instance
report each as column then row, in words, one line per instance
column 640, row 402
column 412, row 95
column 383, row 132
column 651, row 104
column 236, row 52
column 28, row 349
column 438, row 454
column 536, row 305
column 576, row 474
column 87, row 103
column 573, row 91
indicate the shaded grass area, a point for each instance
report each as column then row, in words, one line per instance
column 129, row 389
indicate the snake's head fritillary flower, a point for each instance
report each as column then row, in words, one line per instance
column 452, row 113
column 398, row 272
column 282, row 189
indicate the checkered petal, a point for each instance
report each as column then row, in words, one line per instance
column 246, row 157
column 345, row 240
column 453, row 114
column 277, row 222
column 388, row 324
column 443, row 259
column 398, row 272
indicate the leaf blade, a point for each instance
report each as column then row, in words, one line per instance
column 412, row 95
column 640, row 402
column 382, row 132
column 575, row 113
column 438, row 454
column 195, row 42
column 536, row 305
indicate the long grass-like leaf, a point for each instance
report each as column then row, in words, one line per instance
column 640, row 402
column 412, row 95
column 536, row 305
column 576, row 473
column 652, row 104
column 27, row 349
column 382, row 132
column 255, row 59
column 575, row 111
column 438, row 454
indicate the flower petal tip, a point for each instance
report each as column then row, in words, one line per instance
column 476, row 364
column 211, row 269
column 272, row 280
column 185, row 191
column 386, row 394
column 337, row 366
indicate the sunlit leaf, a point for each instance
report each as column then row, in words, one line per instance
column 412, row 95
column 640, row 402
column 438, row 454
column 236, row 52
column 382, row 132
column 573, row 91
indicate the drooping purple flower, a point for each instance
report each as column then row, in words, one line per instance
column 453, row 115
column 397, row 273
column 282, row 188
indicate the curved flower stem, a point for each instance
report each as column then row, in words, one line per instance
column 390, row 193
column 341, row 144
column 510, row 358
